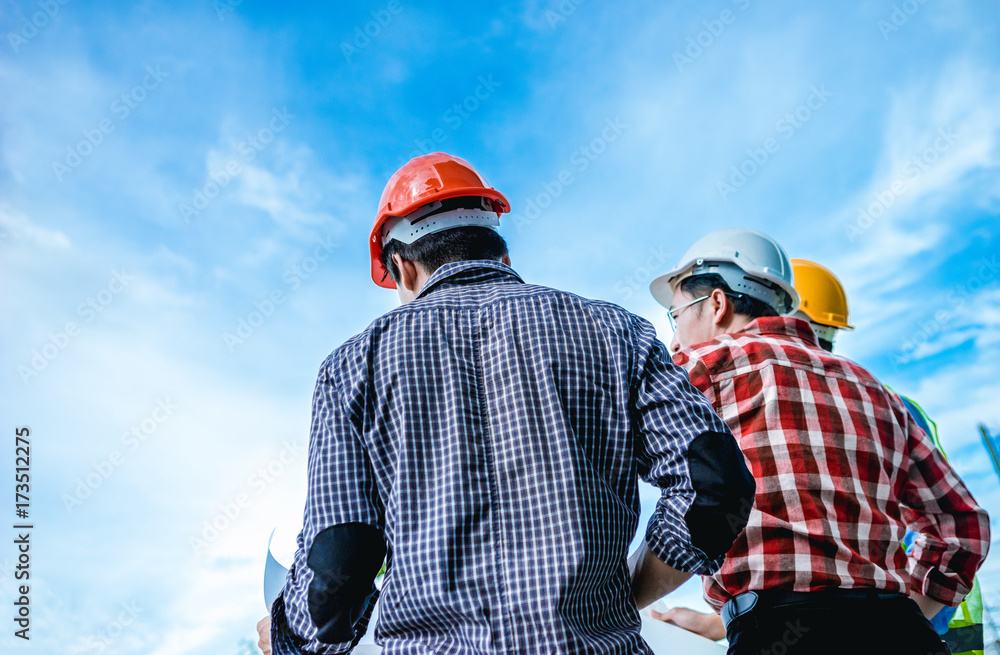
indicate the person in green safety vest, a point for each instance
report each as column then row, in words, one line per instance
column 824, row 305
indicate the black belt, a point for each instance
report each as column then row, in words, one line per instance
column 748, row 601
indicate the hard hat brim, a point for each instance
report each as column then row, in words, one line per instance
column 662, row 289
column 827, row 320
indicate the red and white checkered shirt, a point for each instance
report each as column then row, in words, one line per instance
column 841, row 471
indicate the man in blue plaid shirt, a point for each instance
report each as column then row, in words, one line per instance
column 487, row 436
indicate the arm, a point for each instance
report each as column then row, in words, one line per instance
column 329, row 594
column 953, row 532
column 928, row 606
column 709, row 626
column 651, row 578
column 686, row 450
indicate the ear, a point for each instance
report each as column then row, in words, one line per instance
column 505, row 260
column 407, row 273
column 721, row 307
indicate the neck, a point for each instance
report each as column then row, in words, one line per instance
column 735, row 323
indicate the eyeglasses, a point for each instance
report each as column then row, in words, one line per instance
column 672, row 314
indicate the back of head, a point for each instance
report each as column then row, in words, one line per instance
column 434, row 250
column 435, row 209
column 743, row 303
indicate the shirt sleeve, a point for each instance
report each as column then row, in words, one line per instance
column 690, row 454
column 953, row 532
column 698, row 374
column 341, row 492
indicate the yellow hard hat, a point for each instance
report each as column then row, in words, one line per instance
column 823, row 297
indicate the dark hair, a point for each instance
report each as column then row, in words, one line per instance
column 825, row 345
column 458, row 244
column 697, row 286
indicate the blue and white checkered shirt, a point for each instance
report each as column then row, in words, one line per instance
column 495, row 431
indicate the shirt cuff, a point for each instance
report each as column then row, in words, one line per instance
column 672, row 544
column 284, row 641
column 936, row 585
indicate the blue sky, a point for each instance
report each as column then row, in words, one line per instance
column 186, row 191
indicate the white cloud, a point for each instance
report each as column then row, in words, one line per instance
column 16, row 225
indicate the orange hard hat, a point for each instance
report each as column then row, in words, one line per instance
column 422, row 181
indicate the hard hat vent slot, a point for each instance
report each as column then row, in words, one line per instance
column 407, row 231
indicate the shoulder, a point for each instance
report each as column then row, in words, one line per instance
column 616, row 316
column 603, row 308
column 347, row 364
column 737, row 353
column 711, row 354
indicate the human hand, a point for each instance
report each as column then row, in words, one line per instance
column 928, row 606
column 708, row 626
column 264, row 632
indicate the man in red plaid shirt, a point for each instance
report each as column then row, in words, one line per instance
column 841, row 469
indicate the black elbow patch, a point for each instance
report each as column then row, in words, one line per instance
column 724, row 492
column 344, row 560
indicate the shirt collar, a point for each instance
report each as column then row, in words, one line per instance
column 782, row 326
column 480, row 271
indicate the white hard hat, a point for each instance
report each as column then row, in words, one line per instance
column 750, row 262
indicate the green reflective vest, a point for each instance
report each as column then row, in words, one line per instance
column 965, row 630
